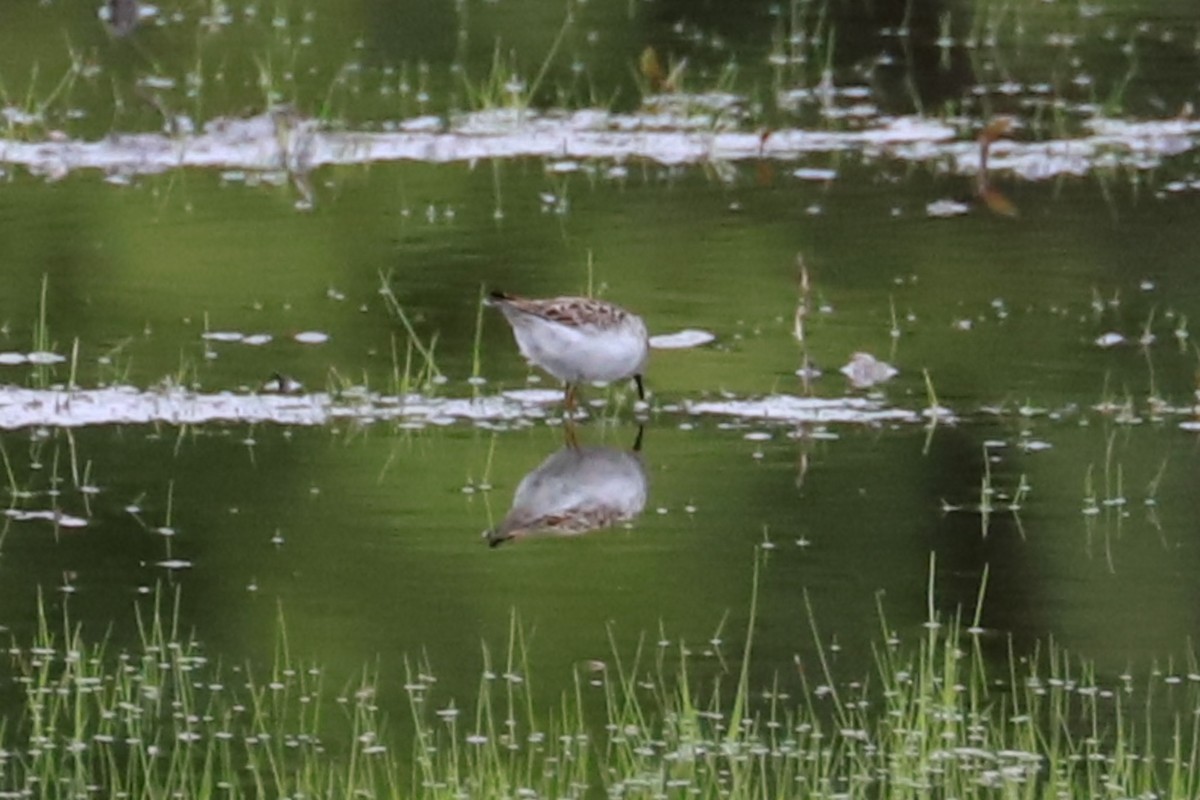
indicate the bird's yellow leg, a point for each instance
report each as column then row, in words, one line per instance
column 570, row 435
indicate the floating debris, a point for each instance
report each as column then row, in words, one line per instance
column 865, row 371
column 652, row 70
column 44, row 359
column 681, row 340
column 946, row 208
column 995, row 200
column 279, row 383
column 1110, row 339
column 122, row 16
column 311, row 337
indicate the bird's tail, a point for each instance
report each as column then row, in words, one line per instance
column 498, row 536
column 495, row 298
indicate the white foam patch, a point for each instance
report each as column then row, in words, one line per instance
column 814, row 174
column 681, row 340
column 20, row 408
column 808, row 410
column 275, row 144
column 57, row 517
column 43, row 358
column 534, row 395
column 311, row 337
column 946, row 208
column 124, row 405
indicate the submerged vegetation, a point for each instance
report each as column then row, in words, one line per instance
column 163, row 719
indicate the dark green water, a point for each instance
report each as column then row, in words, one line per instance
column 377, row 552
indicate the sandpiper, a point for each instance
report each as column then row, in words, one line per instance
column 578, row 339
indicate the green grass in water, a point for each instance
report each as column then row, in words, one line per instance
column 163, row 721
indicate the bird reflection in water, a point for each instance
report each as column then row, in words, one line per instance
column 576, row 490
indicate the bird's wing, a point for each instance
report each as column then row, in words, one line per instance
column 575, row 311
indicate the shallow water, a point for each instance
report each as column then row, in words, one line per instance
column 182, row 272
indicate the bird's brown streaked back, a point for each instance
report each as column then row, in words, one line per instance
column 574, row 311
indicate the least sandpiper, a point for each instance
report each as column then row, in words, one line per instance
column 578, row 339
